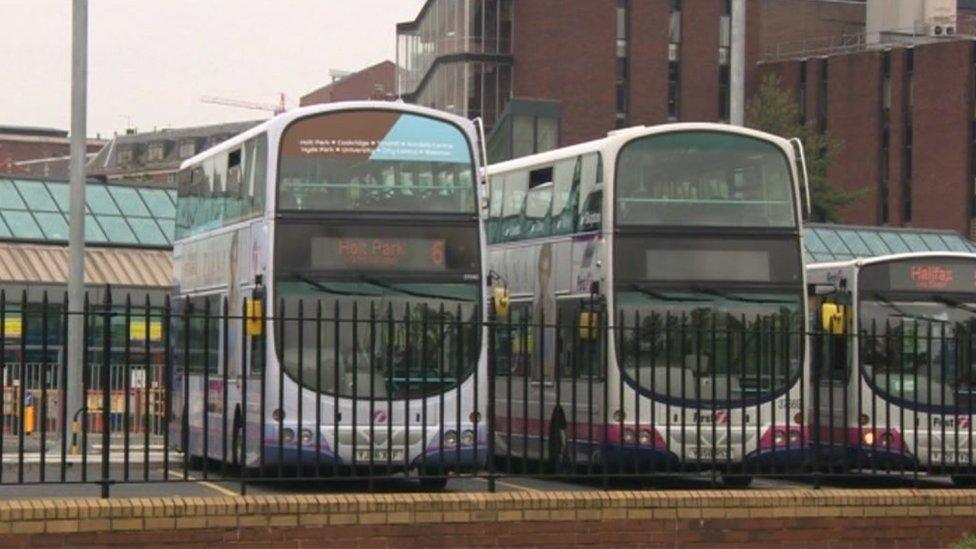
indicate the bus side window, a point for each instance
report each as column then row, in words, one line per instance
column 516, row 186
column 234, row 190
column 183, row 203
column 590, row 192
column 514, row 341
column 536, row 221
column 493, row 228
column 565, row 199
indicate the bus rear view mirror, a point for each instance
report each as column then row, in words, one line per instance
column 833, row 318
column 500, row 301
column 254, row 310
column 588, row 322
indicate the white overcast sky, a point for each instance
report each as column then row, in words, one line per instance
column 151, row 60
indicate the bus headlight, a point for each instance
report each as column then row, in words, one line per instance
column 645, row 438
column 779, row 437
column 467, row 438
column 307, row 436
column 288, row 434
column 794, row 436
column 869, row 438
column 450, row 438
column 628, row 435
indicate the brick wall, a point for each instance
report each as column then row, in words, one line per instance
column 943, row 109
column 808, row 518
column 565, row 50
column 941, row 115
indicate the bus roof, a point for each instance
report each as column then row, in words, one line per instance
column 279, row 122
column 830, row 244
column 617, row 138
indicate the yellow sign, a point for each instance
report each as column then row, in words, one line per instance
column 254, row 311
column 13, row 326
column 137, row 330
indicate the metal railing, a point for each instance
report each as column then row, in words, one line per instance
column 192, row 390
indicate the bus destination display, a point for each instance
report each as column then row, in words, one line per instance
column 405, row 254
column 940, row 276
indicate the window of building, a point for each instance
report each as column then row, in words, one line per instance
column 622, row 61
column 884, row 182
column 674, row 78
column 907, row 171
column 802, row 96
column 187, row 149
column 124, row 156
column 157, row 151
column 822, row 99
column 674, row 56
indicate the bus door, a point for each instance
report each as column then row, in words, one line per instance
column 831, row 356
column 580, row 368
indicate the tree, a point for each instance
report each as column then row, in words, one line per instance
column 773, row 110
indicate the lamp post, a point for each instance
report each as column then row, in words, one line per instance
column 76, row 236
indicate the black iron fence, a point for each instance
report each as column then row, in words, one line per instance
column 358, row 389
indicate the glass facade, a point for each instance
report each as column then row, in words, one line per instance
column 825, row 243
column 456, row 57
column 35, row 210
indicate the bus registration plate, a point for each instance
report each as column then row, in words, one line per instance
column 709, row 453
column 950, row 456
column 379, row 455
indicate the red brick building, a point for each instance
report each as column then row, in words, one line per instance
column 375, row 82
column 598, row 64
column 548, row 73
column 904, row 117
column 19, row 144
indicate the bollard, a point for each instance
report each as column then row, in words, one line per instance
column 29, row 414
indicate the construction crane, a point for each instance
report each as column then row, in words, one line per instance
column 274, row 108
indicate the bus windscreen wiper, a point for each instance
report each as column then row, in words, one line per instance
column 413, row 293
column 905, row 314
column 953, row 303
column 658, row 295
column 320, row 286
column 734, row 297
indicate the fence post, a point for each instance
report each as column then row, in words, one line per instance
column 106, row 393
column 490, row 384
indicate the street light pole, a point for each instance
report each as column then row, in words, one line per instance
column 737, row 66
column 76, row 235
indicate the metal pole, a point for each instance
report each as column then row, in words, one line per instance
column 737, row 68
column 76, row 247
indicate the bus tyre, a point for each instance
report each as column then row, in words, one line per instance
column 964, row 481
column 737, row 481
column 433, row 483
column 558, row 457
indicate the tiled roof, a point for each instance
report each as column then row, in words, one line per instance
column 122, row 267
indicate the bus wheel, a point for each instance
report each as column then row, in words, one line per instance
column 964, row 481
column 433, row 483
column 738, row 481
column 558, row 443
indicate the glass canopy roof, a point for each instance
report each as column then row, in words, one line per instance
column 842, row 242
column 36, row 210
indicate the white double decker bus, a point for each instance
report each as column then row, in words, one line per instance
column 895, row 372
column 657, row 312
column 355, row 227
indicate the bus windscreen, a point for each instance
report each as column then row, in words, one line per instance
column 375, row 161
column 703, row 178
